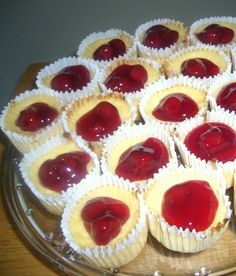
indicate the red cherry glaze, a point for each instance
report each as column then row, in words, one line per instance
column 142, row 160
column 227, row 97
column 36, row 116
column 67, row 168
column 127, row 78
column 114, row 48
column 102, row 120
column 103, row 218
column 215, row 34
column 199, row 68
column 160, row 36
column 71, row 78
column 191, row 204
column 175, row 107
column 212, row 141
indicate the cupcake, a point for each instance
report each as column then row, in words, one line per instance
column 188, row 210
column 222, row 94
column 129, row 77
column 51, row 168
column 103, row 47
column 203, row 62
column 157, row 39
column 32, row 118
column 105, row 221
column 137, row 152
column 209, row 142
column 172, row 101
column 70, row 77
column 93, row 118
column 218, row 31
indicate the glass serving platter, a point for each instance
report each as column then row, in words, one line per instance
column 42, row 230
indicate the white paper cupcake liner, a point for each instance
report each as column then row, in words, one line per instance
column 233, row 57
column 53, row 68
column 216, row 87
column 106, row 256
column 160, row 54
column 184, row 240
column 192, row 52
column 153, row 69
column 190, row 159
column 131, row 50
column 71, row 109
column 23, row 140
column 54, row 202
column 177, row 82
column 135, row 134
column 196, row 25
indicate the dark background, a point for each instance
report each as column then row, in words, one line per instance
column 43, row 31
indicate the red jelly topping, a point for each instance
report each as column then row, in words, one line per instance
column 175, row 107
column 227, row 97
column 102, row 120
column 71, row 78
column 160, row 36
column 114, row 48
column 199, row 68
column 103, row 218
column 36, row 116
column 127, row 78
column 215, row 34
column 212, row 141
column 67, row 168
column 191, row 204
column 142, row 160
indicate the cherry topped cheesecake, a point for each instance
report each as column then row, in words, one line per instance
column 102, row 47
column 157, row 39
column 32, row 118
column 52, row 168
column 188, row 209
column 104, row 215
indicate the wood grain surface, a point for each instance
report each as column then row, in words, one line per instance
column 17, row 257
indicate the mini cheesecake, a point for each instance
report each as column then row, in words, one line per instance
column 188, row 210
column 105, row 221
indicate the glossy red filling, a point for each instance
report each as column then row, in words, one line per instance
column 212, row 141
column 227, row 97
column 71, row 78
column 160, row 36
column 127, row 78
column 103, row 218
column 142, row 160
column 36, row 116
column 102, row 120
column 175, row 107
column 199, row 68
column 112, row 49
column 66, row 169
column 191, row 204
column 215, row 34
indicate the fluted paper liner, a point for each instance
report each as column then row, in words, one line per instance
column 178, row 239
column 233, row 57
column 74, row 111
column 46, row 74
column 155, row 93
column 190, row 159
column 172, row 66
column 24, row 141
column 121, row 252
column 53, row 201
column 127, row 136
column 91, row 42
column 153, row 71
column 160, row 55
column 200, row 24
